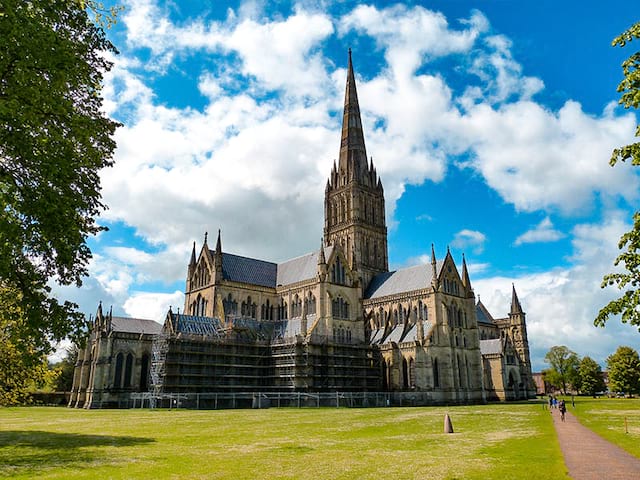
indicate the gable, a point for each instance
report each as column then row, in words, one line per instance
column 449, row 278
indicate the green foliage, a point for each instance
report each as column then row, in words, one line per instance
column 492, row 442
column 624, row 370
column 627, row 306
column 54, row 140
column 629, row 87
column 564, row 367
column 64, row 370
column 22, row 366
column 591, row 379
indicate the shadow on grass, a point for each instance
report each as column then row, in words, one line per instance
column 23, row 452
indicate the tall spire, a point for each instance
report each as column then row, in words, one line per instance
column 353, row 155
column 516, row 308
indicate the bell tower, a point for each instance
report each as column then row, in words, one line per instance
column 354, row 214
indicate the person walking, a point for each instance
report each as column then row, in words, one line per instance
column 563, row 409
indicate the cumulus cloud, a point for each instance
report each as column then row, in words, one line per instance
column 153, row 306
column 537, row 159
column 562, row 303
column 543, row 232
column 469, row 239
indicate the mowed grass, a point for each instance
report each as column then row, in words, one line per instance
column 606, row 417
column 502, row 441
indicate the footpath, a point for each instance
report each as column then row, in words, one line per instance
column 588, row 456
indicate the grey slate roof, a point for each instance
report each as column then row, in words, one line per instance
column 241, row 269
column 483, row 314
column 248, row 270
column 301, row 268
column 197, row 325
column 135, row 325
column 403, row 280
column 493, row 346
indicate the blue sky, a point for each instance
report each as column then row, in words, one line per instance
column 490, row 124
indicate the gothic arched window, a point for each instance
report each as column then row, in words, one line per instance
column 117, row 378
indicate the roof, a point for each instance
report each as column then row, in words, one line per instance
column 488, row 347
column 241, row 269
column 403, row 280
column 483, row 315
column 301, row 268
column 135, row 325
column 248, row 270
column 197, row 325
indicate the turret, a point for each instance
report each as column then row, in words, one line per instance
column 466, row 281
column 516, row 308
column 434, row 270
column 217, row 260
column 322, row 264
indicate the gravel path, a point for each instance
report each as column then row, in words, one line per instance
column 588, row 456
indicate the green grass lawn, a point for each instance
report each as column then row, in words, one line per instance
column 502, row 441
column 606, row 417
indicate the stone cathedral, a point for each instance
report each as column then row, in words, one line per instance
column 334, row 320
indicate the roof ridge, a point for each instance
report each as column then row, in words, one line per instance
column 313, row 252
column 244, row 256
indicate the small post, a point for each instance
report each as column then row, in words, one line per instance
column 626, row 427
column 448, row 427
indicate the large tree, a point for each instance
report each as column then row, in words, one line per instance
column 54, row 140
column 564, row 365
column 591, row 379
column 628, row 280
column 624, row 370
column 22, row 367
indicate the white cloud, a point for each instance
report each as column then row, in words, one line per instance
column 543, row 232
column 543, row 160
column 469, row 239
column 562, row 303
column 153, row 306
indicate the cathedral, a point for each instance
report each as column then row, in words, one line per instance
column 334, row 320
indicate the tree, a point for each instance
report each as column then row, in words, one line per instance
column 64, row 370
column 624, row 370
column 564, row 367
column 591, row 379
column 22, row 368
column 54, row 140
column 628, row 304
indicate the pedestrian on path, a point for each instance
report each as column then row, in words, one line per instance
column 563, row 409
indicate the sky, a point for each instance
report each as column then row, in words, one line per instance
column 490, row 123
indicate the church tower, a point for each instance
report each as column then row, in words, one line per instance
column 354, row 214
column 518, row 330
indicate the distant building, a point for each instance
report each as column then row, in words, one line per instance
column 333, row 320
column 541, row 388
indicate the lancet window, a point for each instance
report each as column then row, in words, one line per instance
column 311, row 304
column 230, row 305
column 339, row 308
column 338, row 274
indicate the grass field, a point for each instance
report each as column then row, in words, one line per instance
column 505, row 441
column 606, row 417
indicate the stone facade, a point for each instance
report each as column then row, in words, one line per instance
column 114, row 362
column 334, row 319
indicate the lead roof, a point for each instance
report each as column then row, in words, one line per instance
column 252, row 271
